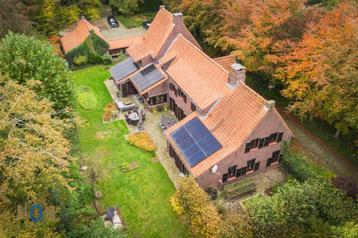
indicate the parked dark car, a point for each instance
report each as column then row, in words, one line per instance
column 146, row 24
column 112, row 21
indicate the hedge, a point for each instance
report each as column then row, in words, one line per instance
column 296, row 166
column 239, row 189
column 94, row 48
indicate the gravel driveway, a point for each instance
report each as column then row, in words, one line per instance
column 119, row 32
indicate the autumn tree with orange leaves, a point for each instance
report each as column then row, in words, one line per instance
column 276, row 27
column 321, row 77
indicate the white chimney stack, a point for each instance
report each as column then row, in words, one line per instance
column 178, row 21
column 269, row 104
column 161, row 7
column 237, row 74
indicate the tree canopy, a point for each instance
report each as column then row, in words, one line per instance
column 125, row 7
column 13, row 17
column 25, row 58
column 34, row 154
column 193, row 205
column 309, row 209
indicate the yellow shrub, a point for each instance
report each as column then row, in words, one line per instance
column 110, row 112
column 142, row 140
column 177, row 208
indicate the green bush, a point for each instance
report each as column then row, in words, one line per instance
column 86, row 98
column 240, row 188
column 80, row 60
column 296, row 166
column 106, row 59
column 94, row 48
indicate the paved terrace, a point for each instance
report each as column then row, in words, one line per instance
column 151, row 125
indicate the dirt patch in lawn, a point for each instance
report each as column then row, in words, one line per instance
column 102, row 153
column 101, row 135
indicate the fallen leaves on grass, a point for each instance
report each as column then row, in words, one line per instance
column 142, row 140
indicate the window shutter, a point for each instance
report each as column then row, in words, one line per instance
column 279, row 137
column 248, row 147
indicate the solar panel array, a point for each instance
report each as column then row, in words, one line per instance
column 123, row 69
column 195, row 141
column 147, row 77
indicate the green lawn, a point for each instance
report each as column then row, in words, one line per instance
column 143, row 194
column 136, row 20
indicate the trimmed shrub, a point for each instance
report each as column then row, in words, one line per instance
column 239, row 189
column 94, row 47
column 296, row 165
column 86, row 98
column 142, row 140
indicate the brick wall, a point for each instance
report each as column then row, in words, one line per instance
column 271, row 124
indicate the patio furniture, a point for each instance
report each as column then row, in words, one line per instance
column 133, row 118
column 166, row 122
column 140, row 99
column 126, row 101
column 127, row 119
column 125, row 107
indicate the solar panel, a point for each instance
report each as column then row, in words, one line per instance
column 195, row 141
column 123, row 69
column 147, row 77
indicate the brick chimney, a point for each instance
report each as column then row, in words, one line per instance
column 237, row 75
column 269, row 105
column 178, row 21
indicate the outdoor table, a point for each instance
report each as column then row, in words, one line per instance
column 133, row 116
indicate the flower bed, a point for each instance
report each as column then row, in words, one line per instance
column 142, row 140
column 239, row 189
column 110, row 112
column 86, row 98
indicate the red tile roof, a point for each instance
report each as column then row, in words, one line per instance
column 160, row 31
column 155, row 37
column 200, row 77
column 124, row 42
column 74, row 38
column 226, row 61
column 231, row 121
